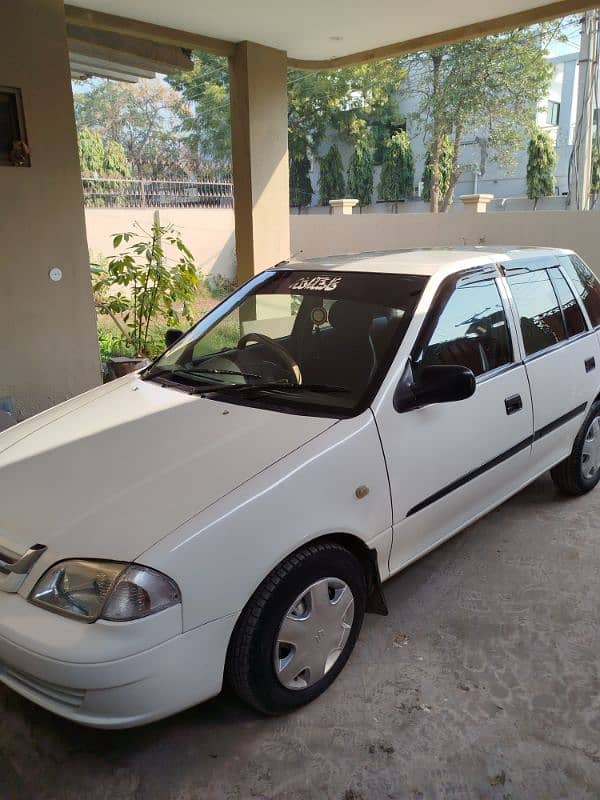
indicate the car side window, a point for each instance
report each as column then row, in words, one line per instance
column 539, row 311
column 470, row 329
column 586, row 285
column 573, row 315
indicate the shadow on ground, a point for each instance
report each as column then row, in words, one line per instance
column 483, row 682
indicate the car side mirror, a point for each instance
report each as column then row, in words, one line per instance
column 171, row 336
column 438, row 383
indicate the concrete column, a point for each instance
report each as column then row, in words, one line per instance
column 260, row 157
column 48, row 344
column 476, row 203
column 345, row 206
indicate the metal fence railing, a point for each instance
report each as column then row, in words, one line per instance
column 136, row 193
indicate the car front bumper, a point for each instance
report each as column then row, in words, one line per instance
column 173, row 675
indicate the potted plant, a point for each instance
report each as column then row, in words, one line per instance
column 141, row 286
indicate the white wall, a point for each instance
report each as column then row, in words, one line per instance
column 327, row 235
column 210, row 233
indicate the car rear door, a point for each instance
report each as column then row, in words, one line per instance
column 561, row 355
column 448, row 463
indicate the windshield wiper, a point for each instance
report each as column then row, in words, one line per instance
column 196, row 371
column 239, row 388
column 149, row 375
column 243, row 388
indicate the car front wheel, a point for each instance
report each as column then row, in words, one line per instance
column 298, row 629
column 580, row 471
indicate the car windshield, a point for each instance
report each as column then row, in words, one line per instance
column 295, row 340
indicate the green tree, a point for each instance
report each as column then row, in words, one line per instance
column 143, row 119
column 91, row 152
column 360, row 174
column 115, row 160
column 99, row 159
column 331, row 179
column 398, row 170
column 204, row 118
column 345, row 100
column 491, row 85
column 301, row 190
column 445, row 165
column 596, row 169
column 541, row 161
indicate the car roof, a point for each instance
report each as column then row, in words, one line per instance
column 423, row 261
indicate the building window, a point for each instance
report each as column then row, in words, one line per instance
column 553, row 112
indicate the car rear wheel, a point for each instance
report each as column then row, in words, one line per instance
column 580, row 472
column 297, row 632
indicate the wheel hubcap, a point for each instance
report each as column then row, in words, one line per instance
column 590, row 455
column 313, row 633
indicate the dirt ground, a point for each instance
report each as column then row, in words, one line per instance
column 483, row 682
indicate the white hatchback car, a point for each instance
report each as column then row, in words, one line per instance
column 233, row 509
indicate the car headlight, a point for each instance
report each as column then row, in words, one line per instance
column 111, row 590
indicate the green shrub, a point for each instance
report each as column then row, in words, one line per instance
column 445, row 162
column 398, row 171
column 301, row 190
column 360, row 174
column 112, row 343
column 596, row 169
column 159, row 289
column 218, row 286
column 331, row 180
column 541, row 162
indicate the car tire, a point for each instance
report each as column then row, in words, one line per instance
column 579, row 473
column 315, row 595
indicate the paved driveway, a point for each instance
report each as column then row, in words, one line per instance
column 483, row 682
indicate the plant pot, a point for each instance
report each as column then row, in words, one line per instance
column 117, row 366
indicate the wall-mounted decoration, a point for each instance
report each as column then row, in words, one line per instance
column 14, row 149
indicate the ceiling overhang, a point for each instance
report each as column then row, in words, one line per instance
column 96, row 52
column 315, row 35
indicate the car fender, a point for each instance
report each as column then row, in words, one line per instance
column 335, row 483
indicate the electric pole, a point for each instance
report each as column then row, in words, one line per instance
column 581, row 172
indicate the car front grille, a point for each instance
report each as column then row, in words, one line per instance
column 28, row 685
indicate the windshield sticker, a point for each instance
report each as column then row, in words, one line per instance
column 318, row 284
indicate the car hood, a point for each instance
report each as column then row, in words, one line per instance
column 109, row 473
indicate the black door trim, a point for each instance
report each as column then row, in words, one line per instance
column 552, row 426
column 451, row 487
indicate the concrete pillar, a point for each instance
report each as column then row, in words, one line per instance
column 345, row 206
column 259, row 132
column 48, row 344
column 476, row 203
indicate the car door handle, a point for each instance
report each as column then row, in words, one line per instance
column 590, row 364
column 513, row 404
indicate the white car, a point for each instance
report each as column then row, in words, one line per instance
column 232, row 510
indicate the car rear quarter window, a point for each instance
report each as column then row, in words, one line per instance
column 586, row 285
column 470, row 329
column 540, row 315
column 574, row 318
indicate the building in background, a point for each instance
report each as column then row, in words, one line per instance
column 556, row 115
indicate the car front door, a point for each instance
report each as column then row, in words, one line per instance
column 450, row 462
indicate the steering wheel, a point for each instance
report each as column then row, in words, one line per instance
column 287, row 361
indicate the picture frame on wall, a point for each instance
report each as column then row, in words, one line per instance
column 14, row 148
